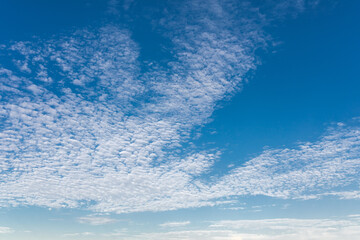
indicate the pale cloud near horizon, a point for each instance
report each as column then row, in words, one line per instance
column 347, row 228
column 5, row 230
column 96, row 220
column 87, row 125
column 174, row 224
column 82, row 234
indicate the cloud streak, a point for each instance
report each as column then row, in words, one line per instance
column 266, row 229
column 174, row 224
column 96, row 220
column 5, row 230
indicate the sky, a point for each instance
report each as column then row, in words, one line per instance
column 184, row 120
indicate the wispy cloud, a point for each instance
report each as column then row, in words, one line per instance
column 4, row 230
column 346, row 228
column 331, row 162
column 278, row 229
column 174, row 224
column 82, row 234
column 96, row 220
column 113, row 7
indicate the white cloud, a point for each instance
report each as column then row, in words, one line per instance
column 96, row 220
column 354, row 194
column 346, row 228
column 82, row 234
column 89, row 126
column 174, row 224
column 189, row 235
column 301, row 172
column 285, row 228
column 4, row 230
column 112, row 7
column 107, row 133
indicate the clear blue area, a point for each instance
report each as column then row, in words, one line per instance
column 308, row 83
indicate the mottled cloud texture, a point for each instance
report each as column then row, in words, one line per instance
column 86, row 124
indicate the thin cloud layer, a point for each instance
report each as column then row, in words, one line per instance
column 346, row 228
column 96, row 220
column 174, row 224
column 5, row 230
column 86, row 124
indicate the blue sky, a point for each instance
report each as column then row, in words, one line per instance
column 179, row 120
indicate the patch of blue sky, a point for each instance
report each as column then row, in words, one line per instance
column 304, row 87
